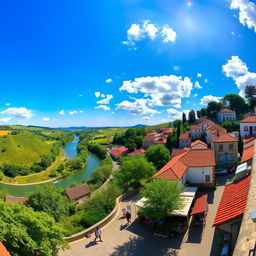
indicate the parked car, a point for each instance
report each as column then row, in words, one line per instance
column 221, row 171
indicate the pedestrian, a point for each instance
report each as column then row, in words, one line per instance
column 128, row 217
column 124, row 211
column 98, row 234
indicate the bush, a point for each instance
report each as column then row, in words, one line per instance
column 98, row 150
column 1, row 175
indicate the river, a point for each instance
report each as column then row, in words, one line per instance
column 70, row 150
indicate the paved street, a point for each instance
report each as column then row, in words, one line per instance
column 120, row 240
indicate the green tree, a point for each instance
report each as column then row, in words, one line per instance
column 240, row 145
column 203, row 112
column 47, row 199
column 76, row 163
column 163, row 197
column 198, row 113
column 250, row 93
column 159, row 155
column 235, row 102
column 133, row 171
column 184, row 119
column 213, row 108
column 231, row 126
column 30, row 233
column 191, row 117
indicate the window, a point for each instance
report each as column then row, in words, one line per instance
column 230, row 147
column 220, row 147
column 207, row 178
column 220, row 157
column 254, row 128
column 246, row 129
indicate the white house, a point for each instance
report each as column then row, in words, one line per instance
column 195, row 131
column 248, row 126
column 185, row 140
column 195, row 166
column 226, row 115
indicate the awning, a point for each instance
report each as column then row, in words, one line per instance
column 200, row 205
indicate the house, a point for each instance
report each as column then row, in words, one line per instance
column 231, row 209
column 205, row 123
column 225, row 149
column 248, row 126
column 213, row 131
column 117, row 152
column 184, row 140
column 226, row 115
column 137, row 151
column 198, row 144
column 77, row 193
column 16, row 199
column 3, row 250
column 195, row 131
column 193, row 166
column 248, row 151
column 156, row 138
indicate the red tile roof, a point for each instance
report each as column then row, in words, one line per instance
column 16, row 199
column 139, row 151
column 178, row 165
column 151, row 133
column 118, row 151
column 225, row 137
column 77, row 192
column 248, row 139
column 177, row 151
column 247, row 154
column 217, row 127
column 200, row 205
column 226, row 110
column 185, row 136
column 233, row 201
column 3, row 251
column 249, row 119
column 195, row 127
column 168, row 131
column 198, row 142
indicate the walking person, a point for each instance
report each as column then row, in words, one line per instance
column 124, row 211
column 98, row 234
column 128, row 217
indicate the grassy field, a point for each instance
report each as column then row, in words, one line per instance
column 24, row 148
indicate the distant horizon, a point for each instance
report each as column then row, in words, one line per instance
column 121, row 63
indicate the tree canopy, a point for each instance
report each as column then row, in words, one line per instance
column 184, row 119
column 159, row 155
column 163, row 197
column 30, row 233
column 235, row 102
column 213, row 108
column 191, row 117
column 250, row 93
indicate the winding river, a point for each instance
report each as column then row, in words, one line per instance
column 70, row 150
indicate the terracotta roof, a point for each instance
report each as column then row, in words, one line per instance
column 185, row 136
column 247, row 154
column 198, row 142
column 16, row 199
column 206, row 121
column 200, row 205
column 168, row 131
column 118, row 151
column 248, row 139
column 195, row 127
column 78, row 191
column 226, row 110
column 216, row 127
column 249, row 119
column 139, row 151
column 225, row 137
column 178, row 165
column 3, row 251
column 151, row 133
column 233, row 201
column 177, row 151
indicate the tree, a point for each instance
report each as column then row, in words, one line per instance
column 198, row 113
column 159, row 155
column 231, row 126
column 133, row 171
column 235, row 102
column 47, row 199
column 191, row 117
column 26, row 232
column 76, row 163
column 163, row 197
column 1, row 175
column 250, row 93
column 203, row 112
column 184, row 119
column 213, row 108
column 240, row 145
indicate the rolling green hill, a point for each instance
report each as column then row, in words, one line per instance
column 24, row 148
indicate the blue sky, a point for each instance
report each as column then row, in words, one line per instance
column 147, row 61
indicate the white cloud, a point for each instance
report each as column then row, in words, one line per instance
column 174, row 114
column 232, row 33
column 168, row 34
column 103, row 107
column 102, row 95
column 5, row 119
column 138, row 107
column 80, row 95
column 160, row 90
column 197, row 85
column 19, row 113
column 62, row 112
column 73, row 112
column 109, row 80
column 146, row 118
column 46, row 119
column 206, row 99
column 234, row 67
column 247, row 12
column 81, row 111
column 206, row 80
column 199, row 75
column 138, row 32
column 176, row 68
column 97, row 94
column 238, row 70
column 8, row 104
column 106, row 100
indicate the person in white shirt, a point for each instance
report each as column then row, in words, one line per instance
column 98, row 234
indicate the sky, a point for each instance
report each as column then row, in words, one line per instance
column 121, row 62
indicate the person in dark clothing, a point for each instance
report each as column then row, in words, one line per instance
column 128, row 217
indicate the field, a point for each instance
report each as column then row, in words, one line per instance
column 24, row 148
column 4, row 132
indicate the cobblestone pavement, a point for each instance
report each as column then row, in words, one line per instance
column 122, row 240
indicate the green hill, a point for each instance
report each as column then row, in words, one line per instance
column 24, row 148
